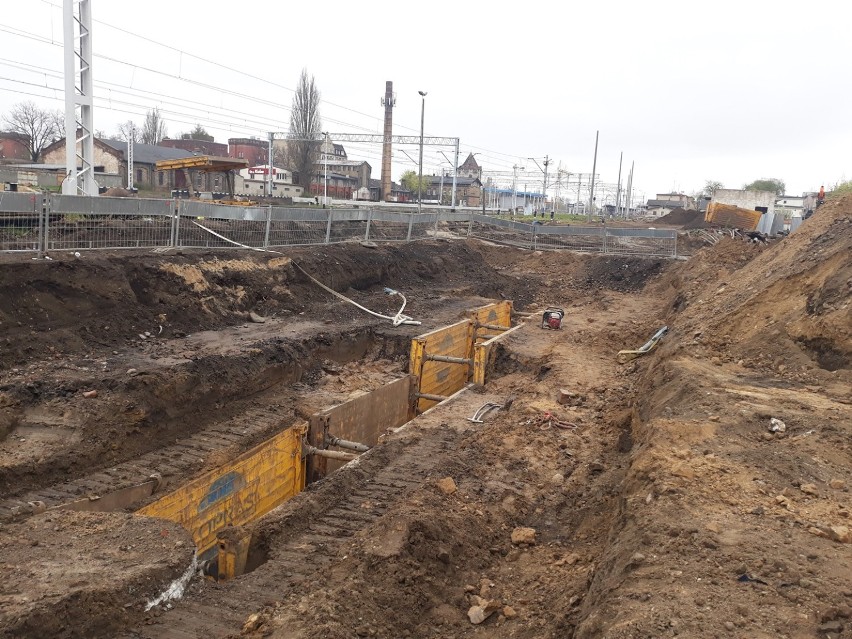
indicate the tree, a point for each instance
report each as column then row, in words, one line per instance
column 410, row 180
column 154, row 128
column 128, row 130
column 198, row 133
column 305, row 129
column 710, row 188
column 41, row 127
column 773, row 185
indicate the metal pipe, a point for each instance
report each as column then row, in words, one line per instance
column 344, row 443
column 430, row 397
column 330, row 454
column 449, row 360
column 492, row 327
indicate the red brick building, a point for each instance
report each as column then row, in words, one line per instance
column 14, row 146
column 201, row 147
column 254, row 150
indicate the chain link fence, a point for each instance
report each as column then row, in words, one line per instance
column 43, row 223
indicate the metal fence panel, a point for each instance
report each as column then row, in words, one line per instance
column 81, row 223
column 20, row 221
column 59, row 222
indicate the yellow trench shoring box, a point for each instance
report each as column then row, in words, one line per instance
column 237, row 493
column 457, row 341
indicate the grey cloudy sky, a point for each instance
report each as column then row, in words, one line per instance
column 729, row 91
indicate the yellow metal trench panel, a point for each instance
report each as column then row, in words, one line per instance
column 442, row 378
column 499, row 314
column 483, row 355
column 237, row 493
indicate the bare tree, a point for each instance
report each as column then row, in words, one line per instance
column 154, row 128
column 40, row 126
column 128, row 130
column 305, row 129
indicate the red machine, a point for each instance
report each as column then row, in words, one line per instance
column 552, row 318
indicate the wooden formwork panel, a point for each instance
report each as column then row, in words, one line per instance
column 498, row 314
column 442, row 378
column 236, row 493
column 362, row 419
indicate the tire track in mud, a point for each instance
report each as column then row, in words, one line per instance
column 220, row 610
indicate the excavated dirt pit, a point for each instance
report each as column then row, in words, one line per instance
column 651, row 501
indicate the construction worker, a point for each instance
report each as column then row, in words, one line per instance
column 820, row 196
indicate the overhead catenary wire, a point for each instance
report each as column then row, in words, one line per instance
column 397, row 319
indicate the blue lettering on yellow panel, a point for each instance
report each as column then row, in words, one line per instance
column 221, row 488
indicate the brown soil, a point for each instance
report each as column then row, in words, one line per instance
column 68, row 574
column 661, row 502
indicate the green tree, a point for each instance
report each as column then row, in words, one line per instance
column 198, row 133
column 774, row 185
column 410, row 180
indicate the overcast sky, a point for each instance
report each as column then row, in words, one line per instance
column 727, row 91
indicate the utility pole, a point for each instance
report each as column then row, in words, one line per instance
column 592, row 181
column 325, row 163
column 130, row 142
column 618, row 189
column 515, row 168
column 420, row 177
column 269, row 166
column 629, row 194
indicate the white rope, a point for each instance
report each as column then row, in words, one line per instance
column 397, row 319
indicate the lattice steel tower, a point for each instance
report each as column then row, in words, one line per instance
column 79, row 130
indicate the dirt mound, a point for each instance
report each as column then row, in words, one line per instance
column 726, row 514
column 775, row 306
column 79, row 593
column 118, row 192
column 96, row 302
column 680, row 216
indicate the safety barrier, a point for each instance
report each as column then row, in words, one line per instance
column 42, row 223
column 238, row 492
column 443, row 360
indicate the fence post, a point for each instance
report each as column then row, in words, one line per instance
column 469, row 225
column 176, row 204
column 674, row 239
column 369, row 219
column 44, row 219
column 534, row 238
column 328, row 228
column 604, row 240
column 268, row 225
column 410, row 224
column 437, row 217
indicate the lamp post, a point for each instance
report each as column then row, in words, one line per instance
column 420, row 175
column 325, row 168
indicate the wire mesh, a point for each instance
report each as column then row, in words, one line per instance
column 59, row 222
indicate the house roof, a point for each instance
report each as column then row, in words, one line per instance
column 664, row 203
column 448, row 180
column 470, row 163
column 333, row 162
column 148, row 153
column 377, row 184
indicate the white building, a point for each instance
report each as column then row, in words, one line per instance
column 254, row 182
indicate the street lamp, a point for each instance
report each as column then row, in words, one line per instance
column 420, row 177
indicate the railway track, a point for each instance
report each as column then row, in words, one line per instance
column 219, row 610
